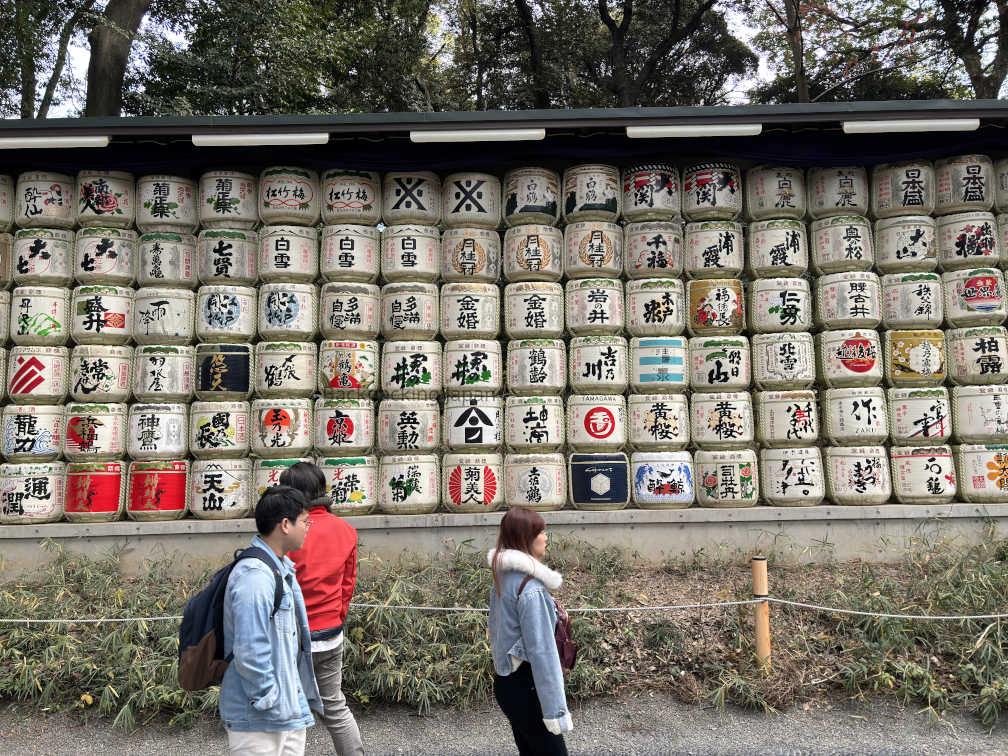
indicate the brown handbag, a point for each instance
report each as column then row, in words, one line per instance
column 563, row 632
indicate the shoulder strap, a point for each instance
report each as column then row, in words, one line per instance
column 523, row 584
column 257, row 553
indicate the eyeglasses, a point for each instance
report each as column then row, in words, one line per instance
column 306, row 523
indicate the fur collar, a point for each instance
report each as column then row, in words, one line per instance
column 512, row 560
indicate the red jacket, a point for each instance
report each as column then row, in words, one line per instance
column 327, row 569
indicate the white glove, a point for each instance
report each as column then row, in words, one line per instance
column 560, row 725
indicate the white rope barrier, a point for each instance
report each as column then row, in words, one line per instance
column 884, row 615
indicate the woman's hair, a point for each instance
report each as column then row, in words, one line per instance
column 306, row 478
column 518, row 528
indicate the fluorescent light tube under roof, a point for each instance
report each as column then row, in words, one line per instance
column 478, row 135
column 258, row 140
column 694, row 130
column 35, row 143
column 919, row 125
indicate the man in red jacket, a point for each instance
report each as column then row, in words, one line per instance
column 326, row 568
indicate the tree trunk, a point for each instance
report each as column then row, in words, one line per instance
column 110, row 47
column 540, row 93
column 26, row 60
column 797, row 43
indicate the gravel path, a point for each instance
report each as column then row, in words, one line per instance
column 640, row 724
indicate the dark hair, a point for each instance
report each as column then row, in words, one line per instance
column 306, row 478
column 277, row 504
column 518, row 528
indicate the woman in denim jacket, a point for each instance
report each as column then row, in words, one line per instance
column 528, row 680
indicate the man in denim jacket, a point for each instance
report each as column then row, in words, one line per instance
column 269, row 689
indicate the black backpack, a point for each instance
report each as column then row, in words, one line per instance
column 201, row 637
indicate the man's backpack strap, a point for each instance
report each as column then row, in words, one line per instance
column 254, row 552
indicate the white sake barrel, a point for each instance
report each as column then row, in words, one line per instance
column 903, row 189
column 533, row 310
column 166, row 203
column 712, row 191
column 655, row 307
column 281, row 427
column 289, row 195
column 658, row 422
column 348, row 368
column 919, row 416
column 409, row 484
column 531, row 195
column 1002, row 236
column 105, row 256
column 411, row 197
column 599, row 481
column 841, row 243
column 719, row 364
column 6, row 260
column 471, row 199
column 783, row 360
column 849, row 357
column 786, row 418
column 535, row 481
column 101, row 373
column 536, row 366
column 167, row 260
column 473, row 367
column 906, row 244
column 351, row 484
column 412, row 369
column 157, row 431
column 976, row 355
column 533, row 423
column 409, row 311
column 594, row 306
column 780, row 305
column 533, row 253
column 982, row 471
column 6, row 203
column 228, row 256
column 980, row 414
column 974, row 297
column 714, row 249
column 95, row 491
column 964, row 183
column 288, row 253
column 43, row 257
column 344, row 426
column 792, row 477
column 774, row 191
column 218, row 429
column 659, row 365
column 157, row 490
column 473, row 424
column 857, row 475
column 592, row 192
column 472, row 482
column 716, row 307
column 914, row 358
column 848, row 300
column 34, row 433
column 596, row 422
column 722, row 420
column 855, row 416
column 470, row 311
column 470, row 254
column 967, row 240
column 350, row 196
column 1000, row 185
column 228, row 199
column 777, row 248
column 38, row 374
column 40, row 315
column 923, row 474
column 726, row 478
column 662, row 480
column 266, row 472
column 5, row 306
column 164, row 316
column 223, row 372
column 221, row 489
column 163, row 373
column 598, row 365
column 653, row 248
column 651, row 192
column 593, row 248
column 285, row 368
column 32, row 493
column 45, row 200
column 101, row 315
column 912, row 300
column 350, row 253
column 288, row 311
column 227, row 313
column 349, row 310
column 837, row 191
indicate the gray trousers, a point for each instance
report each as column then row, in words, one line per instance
column 337, row 717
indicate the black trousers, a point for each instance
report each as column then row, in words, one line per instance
column 516, row 695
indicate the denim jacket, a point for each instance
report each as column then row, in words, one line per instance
column 270, row 684
column 522, row 627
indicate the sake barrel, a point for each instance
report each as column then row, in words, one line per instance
column 662, row 480
column 964, row 183
column 774, row 191
column 779, row 305
column 95, row 491
column 659, row 365
column 351, row 484
column 350, row 196
column 792, row 477
column 218, row 429
column 914, row 358
column 288, row 311
column 167, row 260
column 228, row 257
column 722, row 420
column 228, row 199
column 164, row 316
column 412, row 369
column 653, row 248
column 409, row 425
column 6, row 259
column 536, row 366
column 592, row 192
column 163, row 373
column 982, row 471
column 906, row 244
column 473, row 424
column 288, row 254
column 1002, row 229
column 349, row 310
column 40, row 316
column 43, row 257
column 344, row 426
column 411, row 253
column 919, row 416
column 45, row 200
column 472, row 483
column 598, row 365
column 289, row 195
column 157, row 431
column 106, row 198
column 470, row 311
column 712, row 191
column 266, row 472
column 473, row 367
column 470, row 254
column 224, row 372
column 980, row 414
column 348, row 368
column 101, row 315
column 849, row 357
column 350, row 253
column 284, row 368
column 1001, row 185
column 33, row 432
column 974, row 297
column 38, row 374
column 719, row 364
column 220, row 489
column 841, row 243
column 105, row 256
column 471, row 199
column 655, row 307
column 166, row 204
column 408, row 484
column 783, row 361
column 714, row 249
column 409, row 311
column 411, row 197
column 912, row 300
column 3, row 372
column 857, row 475
column 101, row 373
column 226, row 313
column 157, row 490
column 593, row 248
column 726, row 478
column 923, row 474
column 281, row 427
column 6, row 203
column 777, row 248
column 967, row 240
column 533, row 253
column 594, row 306
column 596, row 422
column 534, row 310
column 658, row 422
column 837, row 191
column 903, row 189
column 976, row 355
column 599, row 481
column 531, row 195
column 651, row 191
column 848, row 300
column 715, row 307
column 533, row 423
column 32, row 492
column 787, row 418
column 535, row 481
column 855, row 416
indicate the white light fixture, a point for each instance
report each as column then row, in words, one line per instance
column 478, row 135
column 258, row 140
column 694, row 130
column 930, row 124
column 36, row 143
